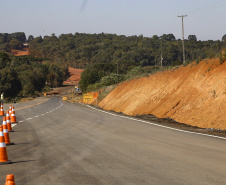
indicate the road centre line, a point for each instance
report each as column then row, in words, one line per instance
column 150, row 123
column 31, row 105
column 61, row 104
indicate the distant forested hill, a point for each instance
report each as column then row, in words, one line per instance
column 103, row 56
column 80, row 49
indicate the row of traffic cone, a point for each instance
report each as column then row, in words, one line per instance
column 4, row 135
column 5, row 140
column 11, row 113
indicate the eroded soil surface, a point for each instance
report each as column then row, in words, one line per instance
column 194, row 95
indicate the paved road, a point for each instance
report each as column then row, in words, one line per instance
column 67, row 144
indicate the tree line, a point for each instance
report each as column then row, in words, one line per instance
column 91, row 51
column 117, row 54
column 80, row 49
column 28, row 76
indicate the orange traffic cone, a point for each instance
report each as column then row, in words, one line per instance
column 10, row 111
column 6, row 133
column 10, row 180
column 3, row 151
column 8, row 122
column 13, row 117
column 1, row 111
column 13, row 109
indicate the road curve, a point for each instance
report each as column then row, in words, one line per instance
column 65, row 144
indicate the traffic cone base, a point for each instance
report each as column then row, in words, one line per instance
column 7, row 162
column 10, row 144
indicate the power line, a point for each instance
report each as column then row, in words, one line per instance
column 207, row 7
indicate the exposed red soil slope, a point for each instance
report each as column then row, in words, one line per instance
column 195, row 95
column 75, row 76
column 20, row 52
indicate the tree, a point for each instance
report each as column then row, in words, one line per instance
column 27, row 79
column 2, row 39
column 93, row 73
column 4, row 59
column 19, row 36
column 30, row 38
column 168, row 37
column 192, row 38
column 155, row 37
column 224, row 38
column 9, row 82
column 38, row 39
column 14, row 44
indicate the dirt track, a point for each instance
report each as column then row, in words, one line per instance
column 194, row 95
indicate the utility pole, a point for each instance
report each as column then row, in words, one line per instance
column 117, row 66
column 182, row 16
column 161, row 54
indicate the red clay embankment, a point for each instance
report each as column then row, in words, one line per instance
column 195, row 95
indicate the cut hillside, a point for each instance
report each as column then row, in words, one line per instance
column 75, row 76
column 22, row 52
column 194, row 95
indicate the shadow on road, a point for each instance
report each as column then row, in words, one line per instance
column 22, row 143
column 22, row 161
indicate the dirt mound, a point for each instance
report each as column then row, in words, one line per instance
column 22, row 52
column 195, row 95
column 75, row 76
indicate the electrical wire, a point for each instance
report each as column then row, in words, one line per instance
column 207, row 7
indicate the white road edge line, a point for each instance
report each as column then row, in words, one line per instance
column 150, row 123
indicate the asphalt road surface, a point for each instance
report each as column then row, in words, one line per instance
column 58, row 143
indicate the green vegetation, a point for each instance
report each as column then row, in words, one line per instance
column 27, row 76
column 12, row 41
column 106, row 58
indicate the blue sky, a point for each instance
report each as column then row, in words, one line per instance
column 206, row 18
